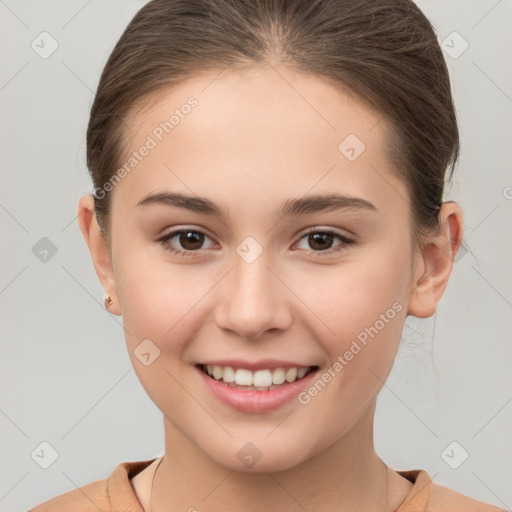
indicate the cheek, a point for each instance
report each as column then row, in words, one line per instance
column 352, row 297
column 161, row 302
column 366, row 313
column 362, row 308
column 160, row 299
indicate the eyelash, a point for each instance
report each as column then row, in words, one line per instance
column 178, row 252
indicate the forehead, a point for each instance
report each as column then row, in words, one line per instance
column 264, row 129
column 262, row 98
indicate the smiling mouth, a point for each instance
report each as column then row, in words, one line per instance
column 260, row 380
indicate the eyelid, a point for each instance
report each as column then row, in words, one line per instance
column 313, row 229
column 179, row 230
column 325, row 229
column 346, row 241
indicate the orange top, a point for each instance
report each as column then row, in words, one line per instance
column 116, row 494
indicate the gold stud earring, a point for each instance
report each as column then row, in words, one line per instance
column 108, row 301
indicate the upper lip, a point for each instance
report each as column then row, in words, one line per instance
column 255, row 365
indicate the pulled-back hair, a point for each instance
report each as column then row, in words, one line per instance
column 384, row 51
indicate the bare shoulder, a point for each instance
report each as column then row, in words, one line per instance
column 444, row 499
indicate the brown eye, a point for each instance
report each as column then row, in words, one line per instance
column 320, row 242
column 191, row 240
column 185, row 242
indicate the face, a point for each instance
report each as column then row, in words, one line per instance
column 261, row 281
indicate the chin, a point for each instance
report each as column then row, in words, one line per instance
column 259, row 457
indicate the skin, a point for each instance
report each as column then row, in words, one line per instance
column 290, row 303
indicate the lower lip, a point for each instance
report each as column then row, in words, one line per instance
column 256, row 401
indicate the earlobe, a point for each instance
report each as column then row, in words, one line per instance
column 436, row 262
column 99, row 250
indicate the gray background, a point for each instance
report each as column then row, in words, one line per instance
column 66, row 378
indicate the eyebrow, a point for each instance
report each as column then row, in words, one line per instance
column 292, row 207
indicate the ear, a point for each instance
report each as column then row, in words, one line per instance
column 434, row 263
column 99, row 249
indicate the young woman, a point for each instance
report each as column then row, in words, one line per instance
column 267, row 211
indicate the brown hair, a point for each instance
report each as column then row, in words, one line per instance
column 385, row 51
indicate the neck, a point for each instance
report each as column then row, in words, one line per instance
column 346, row 476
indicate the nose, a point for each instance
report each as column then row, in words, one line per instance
column 253, row 300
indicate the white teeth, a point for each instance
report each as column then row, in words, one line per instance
column 217, row 372
column 301, row 373
column 229, row 374
column 243, row 377
column 278, row 376
column 291, row 374
column 260, row 379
